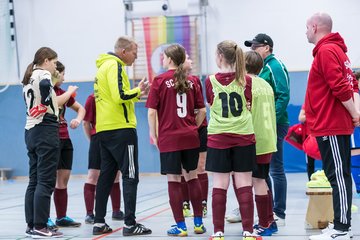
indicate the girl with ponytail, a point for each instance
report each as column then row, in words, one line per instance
column 173, row 98
column 42, row 141
column 231, row 138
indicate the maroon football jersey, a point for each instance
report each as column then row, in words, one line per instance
column 177, row 126
column 63, row 127
column 197, row 81
column 90, row 115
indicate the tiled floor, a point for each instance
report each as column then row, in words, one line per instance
column 153, row 211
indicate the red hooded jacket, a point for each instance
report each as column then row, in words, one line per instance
column 330, row 82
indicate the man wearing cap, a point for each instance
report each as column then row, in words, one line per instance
column 276, row 74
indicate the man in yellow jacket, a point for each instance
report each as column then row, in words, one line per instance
column 116, row 129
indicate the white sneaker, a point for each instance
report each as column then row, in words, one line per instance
column 217, row 236
column 331, row 226
column 331, row 234
column 251, row 236
column 234, row 216
column 280, row 222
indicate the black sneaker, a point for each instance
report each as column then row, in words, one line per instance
column 118, row 216
column 29, row 232
column 101, row 230
column 137, row 229
column 46, row 233
column 67, row 222
column 89, row 219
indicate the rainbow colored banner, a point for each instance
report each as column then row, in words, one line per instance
column 161, row 31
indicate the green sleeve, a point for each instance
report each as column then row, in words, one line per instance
column 282, row 90
column 277, row 76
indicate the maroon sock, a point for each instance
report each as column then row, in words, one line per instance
column 262, row 209
column 218, row 208
column 204, row 182
column 195, row 196
column 60, row 200
column 270, row 207
column 184, row 190
column 89, row 197
column 245, row 199
column 176, row 200
column 115, row 195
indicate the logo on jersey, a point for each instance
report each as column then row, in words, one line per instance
column 171, row 83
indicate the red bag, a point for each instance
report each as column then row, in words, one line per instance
column 296, row 135
column 311, row 147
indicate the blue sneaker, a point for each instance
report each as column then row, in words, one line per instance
column 199, row 226
column 262, row 231
column 199, row 229
column 178, row 230
column 273, row 227
column 268, row 231
column 67, row 222
column 51, row 225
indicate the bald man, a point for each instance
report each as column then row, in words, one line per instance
column 331, row 114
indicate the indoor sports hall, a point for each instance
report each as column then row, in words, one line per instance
column 79, row 31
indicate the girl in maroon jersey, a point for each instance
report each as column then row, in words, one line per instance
column 202, row 174
column 173, row 98
column 89, row 124
column 65, row 99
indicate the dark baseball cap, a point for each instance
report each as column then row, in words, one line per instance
column 261, row 38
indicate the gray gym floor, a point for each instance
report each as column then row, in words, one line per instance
column 153, row 210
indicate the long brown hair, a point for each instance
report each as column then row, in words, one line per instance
column 39, row 58
column 234, row 56
column 177, row 54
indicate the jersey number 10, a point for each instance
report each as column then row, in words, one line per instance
column 234, row 101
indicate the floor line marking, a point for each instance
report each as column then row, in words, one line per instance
column 142, row 219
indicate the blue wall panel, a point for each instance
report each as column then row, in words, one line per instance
column 12, row 122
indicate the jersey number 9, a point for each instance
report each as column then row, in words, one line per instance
column 181, row 103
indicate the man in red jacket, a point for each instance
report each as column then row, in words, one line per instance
column 332, row 111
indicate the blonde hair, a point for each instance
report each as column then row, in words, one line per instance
column 234, row 56
column 124, row 42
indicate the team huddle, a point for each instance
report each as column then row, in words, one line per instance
column 242, row 140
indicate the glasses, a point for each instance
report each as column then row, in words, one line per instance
column 255, row 46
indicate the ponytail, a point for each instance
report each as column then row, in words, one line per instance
column 177, row 54
column 240, row 66
column 39, row 58
column 181, row 83
column 27, row 74
column 234, row 56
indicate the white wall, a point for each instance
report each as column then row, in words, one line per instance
column 285, row 22
column 78, row 30
column 81, row 29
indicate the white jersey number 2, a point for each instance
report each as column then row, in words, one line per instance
column 181, row 103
